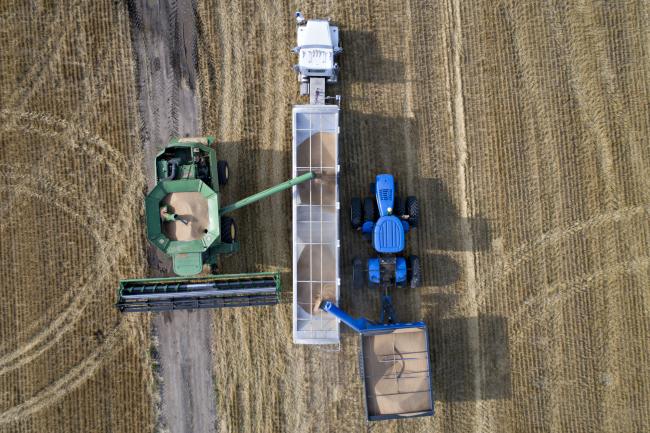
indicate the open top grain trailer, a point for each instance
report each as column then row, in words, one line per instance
column 394, row 364
column 315, row 222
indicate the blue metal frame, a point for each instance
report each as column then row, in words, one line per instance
column 385, row 193
column 374, row 273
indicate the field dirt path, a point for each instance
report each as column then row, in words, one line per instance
column 164, row 39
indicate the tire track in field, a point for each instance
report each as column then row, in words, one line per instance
column 28, row 85
column 535, row 310
column 107, row 258
column 526, row 252
column 94, row 93
column 49, row 126
column 77, row 375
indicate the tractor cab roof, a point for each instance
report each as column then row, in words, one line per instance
column 388, row 235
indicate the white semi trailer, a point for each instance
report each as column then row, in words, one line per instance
column 316, row 203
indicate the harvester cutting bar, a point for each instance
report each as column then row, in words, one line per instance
column 216, row 291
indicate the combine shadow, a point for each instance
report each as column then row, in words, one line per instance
column 461, row 372
column 369, row 66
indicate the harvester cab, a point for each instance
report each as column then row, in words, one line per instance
column 384, row 219
column 186, row 221
column 317, row 48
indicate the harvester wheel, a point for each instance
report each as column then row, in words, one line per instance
column 416, row 272
column 223, row 172
column 368, row 209
column 398, row 206
column 413, row 210
column 358, row 276
column 228, row 230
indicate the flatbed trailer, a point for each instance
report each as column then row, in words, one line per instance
column 315, row 222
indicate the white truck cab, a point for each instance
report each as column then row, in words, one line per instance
column 317, row 48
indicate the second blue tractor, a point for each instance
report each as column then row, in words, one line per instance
column 384, row 219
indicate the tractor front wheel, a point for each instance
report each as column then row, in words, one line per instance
column 358, row 275
column 368, row 209
column 416, row 272
column 228, row 230
column 413, row 210
column 223, row 172
column 356, row 213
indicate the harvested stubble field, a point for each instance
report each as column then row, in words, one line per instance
column 522, row 127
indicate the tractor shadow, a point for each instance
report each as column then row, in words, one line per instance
column 470, row 358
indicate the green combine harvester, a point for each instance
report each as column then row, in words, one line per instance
column 185, row 220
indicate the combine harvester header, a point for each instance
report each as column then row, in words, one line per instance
column 315, row 203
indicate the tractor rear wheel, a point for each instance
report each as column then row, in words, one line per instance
column 356, row 213
column 413, row 210
column 223, row 172
column 416, row 272
column 368, row 209
column 228, row 230
column 358, row 276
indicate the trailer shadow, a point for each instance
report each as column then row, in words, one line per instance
column 470, row 358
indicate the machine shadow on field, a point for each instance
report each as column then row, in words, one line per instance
column 251, row 172
column 461, row 372
column 442, row 226
column 371, row 66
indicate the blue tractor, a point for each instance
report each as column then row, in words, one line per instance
column 384, row 219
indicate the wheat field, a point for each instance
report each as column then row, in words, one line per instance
column 521, row 126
